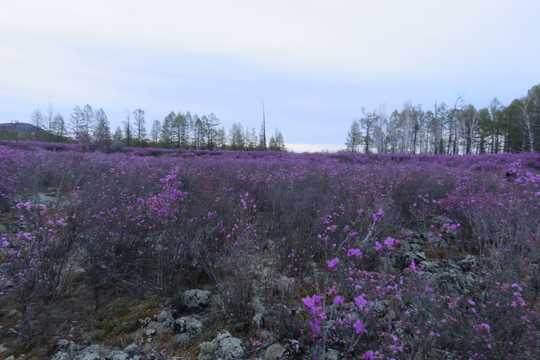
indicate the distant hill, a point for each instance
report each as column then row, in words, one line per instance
column 25, row 131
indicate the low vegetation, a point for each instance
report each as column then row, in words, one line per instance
column 367, row 256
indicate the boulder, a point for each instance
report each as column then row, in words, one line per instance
column 61, row 355
column 223, row 347
column 89, row 353
column 194, row 300
column 117, row 355
column 189, row 326
column 131, row 349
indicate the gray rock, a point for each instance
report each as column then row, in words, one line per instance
column 131, row 349
column 332, row 354
column 164, row 317
column 188, row 325
column 89, row 353
column 230, row 348
column 292, row 351
column 274, row 351
column 61, row 356
column 68, row 345
column 259, row 309
column 207, row 350
column 223, row 347
column 117, row 355
column 195, row 299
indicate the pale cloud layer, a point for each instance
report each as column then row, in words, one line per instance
column 315, row 63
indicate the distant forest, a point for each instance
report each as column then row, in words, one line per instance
column 444, row 129
column 176, row 130
column 450, row 129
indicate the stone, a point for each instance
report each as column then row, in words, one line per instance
column 274, row 351
column 195, row 299
column 117, row 355
column 61, row 355
column 188, row 325
column 131, row 349
column 230, row 348
column 207, row 350
column 223, row 347
column 89, row 353
column 164, row 317
column 70, row 346
column 292, row 351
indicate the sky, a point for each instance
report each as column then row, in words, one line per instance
column 313, row 64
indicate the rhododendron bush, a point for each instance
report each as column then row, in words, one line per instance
column 387, row 256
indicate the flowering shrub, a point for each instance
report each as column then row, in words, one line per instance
column 387, row 256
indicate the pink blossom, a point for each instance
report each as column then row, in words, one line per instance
column 359, row 327
column 389, row 242
column 331, row 264
column 356, row 253
column 353, row 233
column 378, row 246
column 308, row 302
column 471, row 302
column 380, row 213
column 360, row 301
column 413, row 266
column 374, row 217
column 368, row 355
column 338, row 300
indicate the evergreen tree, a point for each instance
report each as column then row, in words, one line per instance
column 354, row 137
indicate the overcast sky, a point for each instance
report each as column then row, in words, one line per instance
column 314, row 63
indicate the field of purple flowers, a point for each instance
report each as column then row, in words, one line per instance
column 367, row 257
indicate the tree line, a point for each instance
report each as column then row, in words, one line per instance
column 176, row 130
column 459, row 128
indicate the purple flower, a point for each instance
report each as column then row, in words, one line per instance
column 308, row 302
column 356, row 253
column 353, row 233
column 338, row 300
column 378, row 246
column 360, row 301
column 368, row 355
column 389, row 242
column 359, row 327
column 413, row 266
column 331, row 264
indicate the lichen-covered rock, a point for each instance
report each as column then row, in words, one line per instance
column 67, row 345
column 131, row 349
column 230, row 348
column 117, row 355
column 164, row 317
column 207, row 349
column 61, row 355
column 223, row 347
column 292, row 351
column 195, row 299
column 189, row 326
column 273, row 351
column 89, row 353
